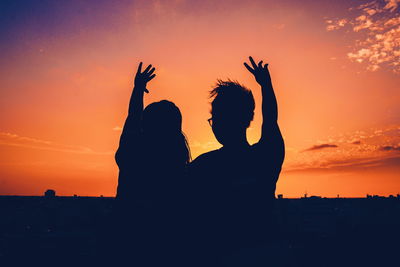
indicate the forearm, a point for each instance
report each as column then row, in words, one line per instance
column 132, row 123
column 136, row 103
column 269, row 104
column 135, row 111
column 270, row 131
column 271, row 134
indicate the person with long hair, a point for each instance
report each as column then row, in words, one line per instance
column 152, row 156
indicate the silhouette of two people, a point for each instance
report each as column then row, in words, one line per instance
column 171, row 210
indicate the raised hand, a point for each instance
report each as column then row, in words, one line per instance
column 260, row 72
column 142, row 78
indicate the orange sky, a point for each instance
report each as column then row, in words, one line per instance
column 66, row 78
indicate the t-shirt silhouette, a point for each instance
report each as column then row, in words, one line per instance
column 234, row 191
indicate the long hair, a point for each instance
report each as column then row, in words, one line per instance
column 162, row 126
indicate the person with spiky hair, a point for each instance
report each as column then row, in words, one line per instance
column 235, row 185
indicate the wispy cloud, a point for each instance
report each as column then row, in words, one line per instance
column 318, row 147
column 206, row 145
column 358, row 150
column 10, row 139
column 349, row 164
column 335, row 24
column 390, row 148
column 377, row 28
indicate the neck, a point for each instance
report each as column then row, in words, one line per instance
column 237, row 141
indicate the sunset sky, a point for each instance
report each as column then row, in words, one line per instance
column 66, row 75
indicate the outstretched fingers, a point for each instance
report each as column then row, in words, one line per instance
column 139, row 70
column 147, row 69
column 142, row 78
column 148, row 72
column 151, row 71
column 255, row 67
column 151, row 77
column 253, row 63
column 248, row 67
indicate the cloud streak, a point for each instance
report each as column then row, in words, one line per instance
column 10, row 139
column 318, row 147
column 350, row 164
column 354, row 151
column 390, row 148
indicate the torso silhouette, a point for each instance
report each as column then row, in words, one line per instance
column 147, row 204
column 235, row 190
column 147, row 175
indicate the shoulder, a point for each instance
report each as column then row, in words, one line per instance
column 130, row 147
column 268, row 152
column 204, row 160
column 265, row 147
column 259, row 148
column 206, row 157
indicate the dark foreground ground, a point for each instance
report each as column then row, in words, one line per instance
column 313, row 232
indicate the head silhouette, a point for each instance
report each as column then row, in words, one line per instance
column 162, row 127
column 232, row 111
